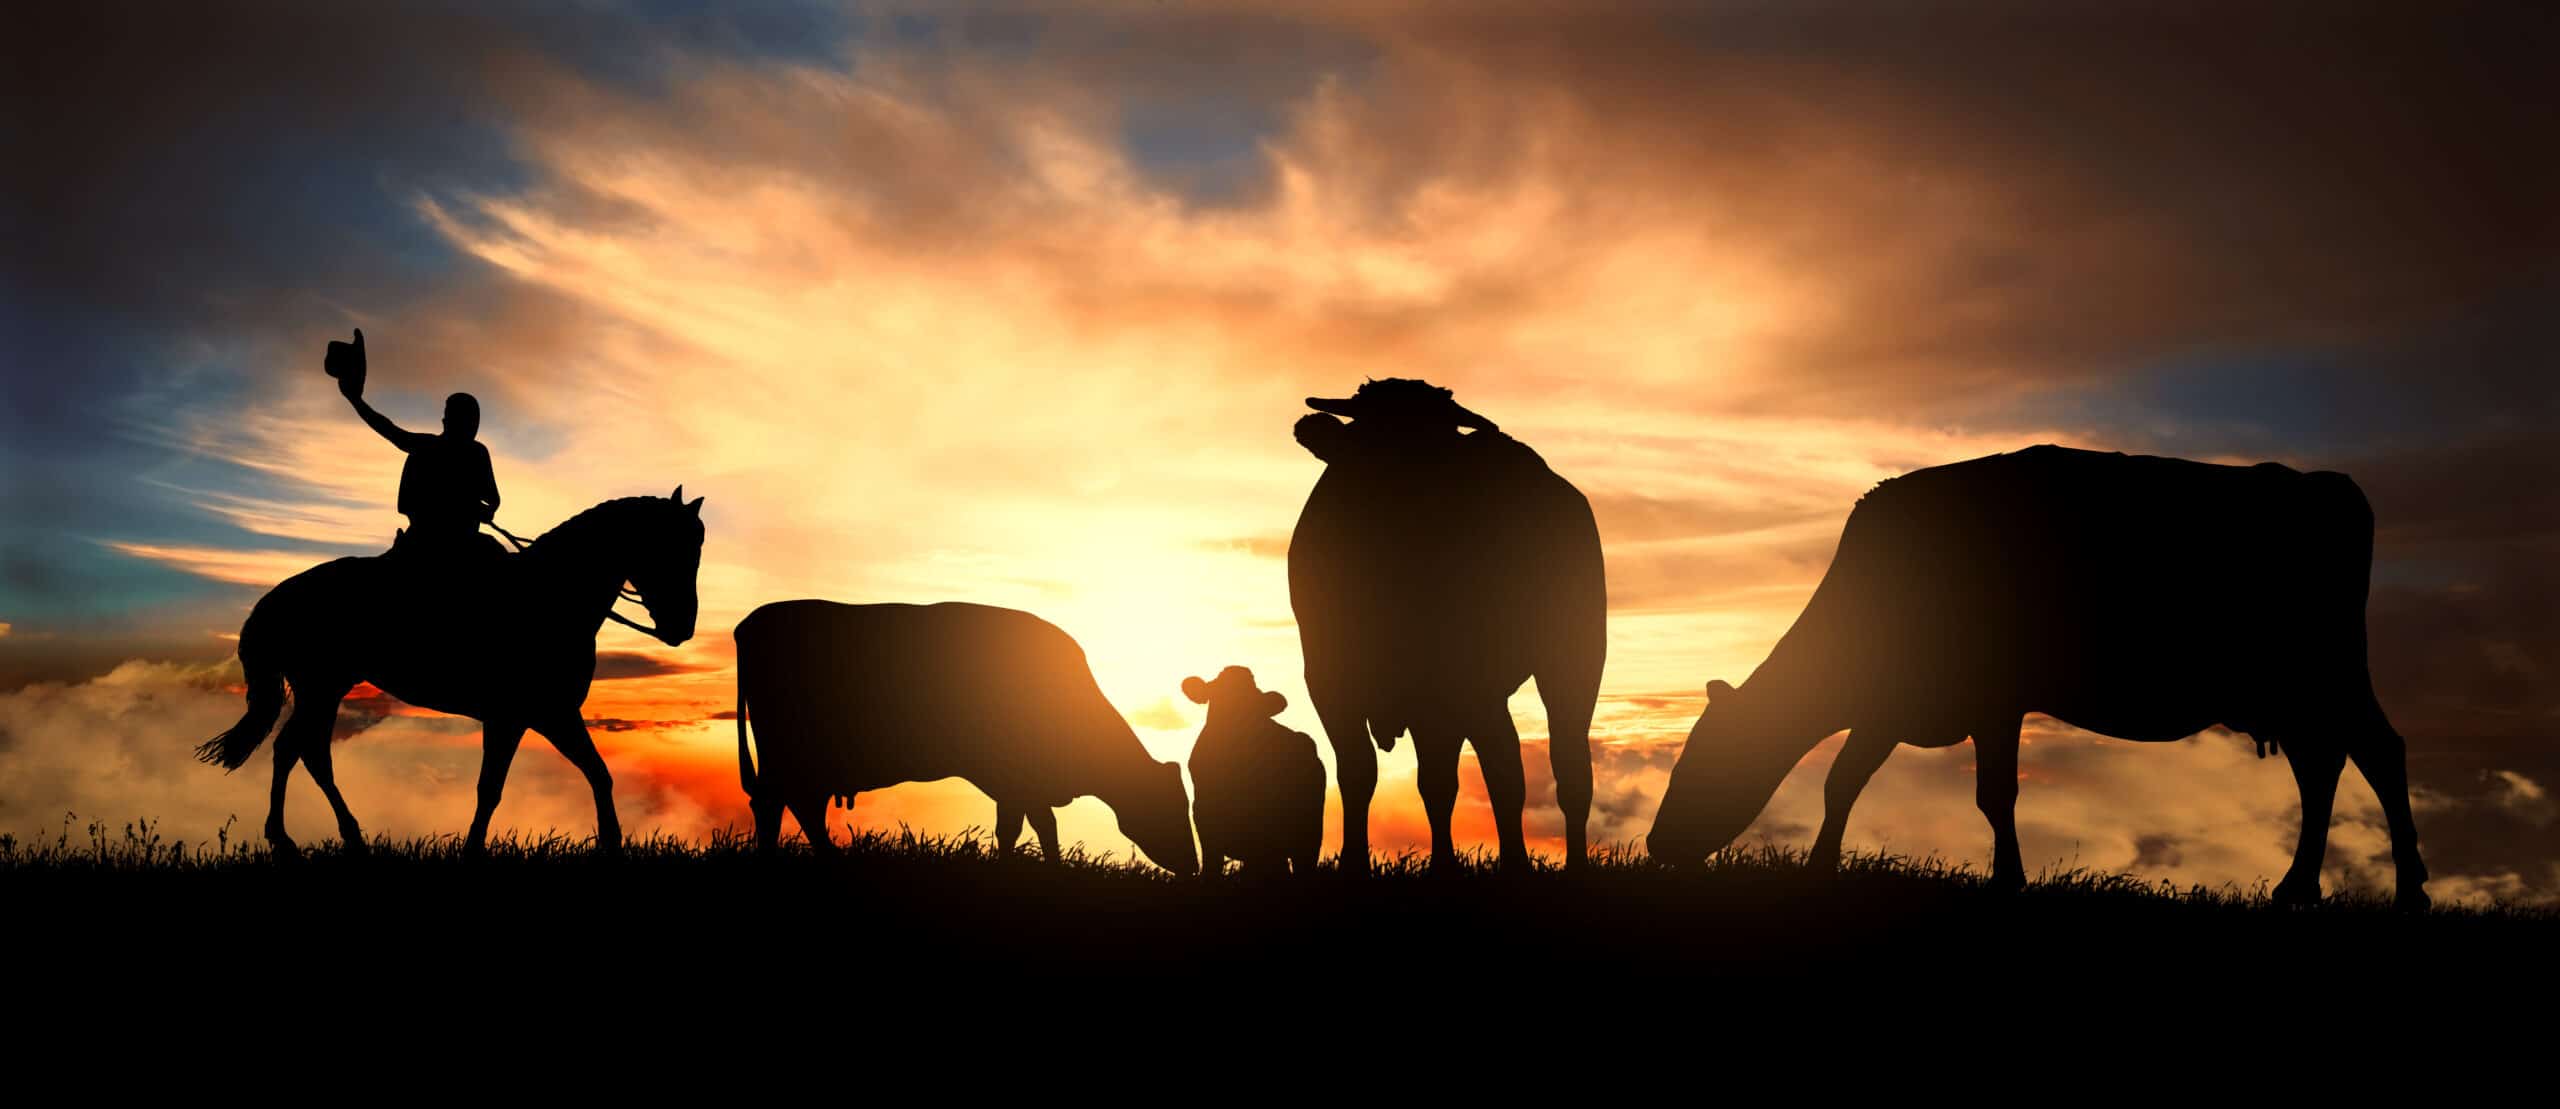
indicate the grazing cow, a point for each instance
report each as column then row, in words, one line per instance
column 1261, row 786
column 848, row 698
column 2141, row 598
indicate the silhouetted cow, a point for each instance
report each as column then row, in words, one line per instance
column 2141, row 598
column 848, row 698
column 1261, row 785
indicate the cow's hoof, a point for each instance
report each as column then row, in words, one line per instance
column 1820, row 861
column 2005, row 884
column 353, row 845
column 283, row 849
column 2296, row 895
column 2412, row 899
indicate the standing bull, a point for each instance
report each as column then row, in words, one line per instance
column 848, row 698
column 2141, row 598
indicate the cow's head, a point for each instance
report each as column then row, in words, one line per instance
column 1155, row 813
column 1731, row 766
column 1386, row 415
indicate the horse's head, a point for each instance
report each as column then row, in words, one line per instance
column 667, row 556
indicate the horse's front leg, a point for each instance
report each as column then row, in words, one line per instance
column 570, row 737
column 498, row 740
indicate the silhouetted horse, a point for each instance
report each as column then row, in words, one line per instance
column 1432, row 572
column 850, row 698
column 513, row 647
column 2141, row 598
column 1260, row 784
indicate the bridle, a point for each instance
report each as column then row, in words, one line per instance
column 621, row 593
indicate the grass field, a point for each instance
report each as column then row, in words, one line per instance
column 896, row 907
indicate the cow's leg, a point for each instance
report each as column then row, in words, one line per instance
column 1435, row 754
column 1355, row 768
column 569, row 736
column 1865, row 751
column 2382, row 757
column 1497, row 744
column 768, row 814
column 498, row 742
column 1044, row 824
column 811, row 811
column 1008, row 828
column 1995, row 792
column 2316, row 766
column 1568, row 691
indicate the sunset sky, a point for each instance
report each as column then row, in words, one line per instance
column 1016, row 305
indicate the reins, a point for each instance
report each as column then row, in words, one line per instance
column 620, row 594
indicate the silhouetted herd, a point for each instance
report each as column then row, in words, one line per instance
column 1438, row 564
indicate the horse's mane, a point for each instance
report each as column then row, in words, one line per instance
column 589, row 520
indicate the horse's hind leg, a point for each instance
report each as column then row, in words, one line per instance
column 569, row 735
column 288, row 753
column 314, row 718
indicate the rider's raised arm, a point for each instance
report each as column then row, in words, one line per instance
column 400, row 437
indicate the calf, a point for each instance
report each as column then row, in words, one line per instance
column 1261, row 786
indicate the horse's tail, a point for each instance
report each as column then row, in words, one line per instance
column 266, row 701
column 746, row 760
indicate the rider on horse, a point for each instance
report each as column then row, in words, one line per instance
column 447, row 489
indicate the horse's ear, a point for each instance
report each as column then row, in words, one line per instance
column 695, row 504
column 677, row 495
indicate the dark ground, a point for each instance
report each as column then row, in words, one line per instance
column 918, row 918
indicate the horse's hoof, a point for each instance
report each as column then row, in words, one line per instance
column 2006, row 883
column 283, row 849
column 2412, row 899
column 354, row 845
column 2289, row 896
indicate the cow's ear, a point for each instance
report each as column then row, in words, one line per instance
column 1320, row 434
column 1273, row 704
column 1196, row 689
column 1717, row 690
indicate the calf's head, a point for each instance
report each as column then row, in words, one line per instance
column 1233, row 699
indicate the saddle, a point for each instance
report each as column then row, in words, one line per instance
column 452, row 566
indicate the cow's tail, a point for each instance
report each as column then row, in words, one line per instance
column 265, row 683
column 746, row 758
